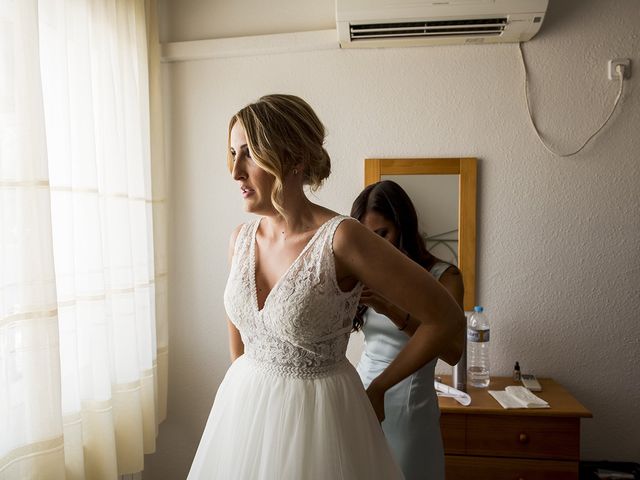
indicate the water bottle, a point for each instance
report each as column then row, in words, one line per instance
column 478, row 349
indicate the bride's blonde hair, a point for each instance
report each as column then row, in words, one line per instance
column 282, row 132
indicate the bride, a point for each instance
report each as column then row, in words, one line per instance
column 291, row 406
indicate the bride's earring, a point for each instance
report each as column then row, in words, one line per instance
column 295, row 171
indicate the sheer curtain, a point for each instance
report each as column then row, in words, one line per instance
column 83, row 334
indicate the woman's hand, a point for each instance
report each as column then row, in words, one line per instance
column 372, row 299
column 384, row 307
column 376, row 397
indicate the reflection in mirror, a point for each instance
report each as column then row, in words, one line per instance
column 436, row 200
column 443, row 191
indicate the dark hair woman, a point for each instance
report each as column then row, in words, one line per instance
column 411, row 408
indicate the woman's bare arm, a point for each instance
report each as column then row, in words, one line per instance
column 366, row 257
column 236, row 347
column 451, row 279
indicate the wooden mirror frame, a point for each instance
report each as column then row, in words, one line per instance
column 466, row 168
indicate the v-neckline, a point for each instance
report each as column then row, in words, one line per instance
column 252, row 253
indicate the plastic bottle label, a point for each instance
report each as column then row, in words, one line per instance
column 477, row 335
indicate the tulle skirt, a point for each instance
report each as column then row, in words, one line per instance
column 268, row 426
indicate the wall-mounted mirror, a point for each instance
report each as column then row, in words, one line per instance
column 443, row 191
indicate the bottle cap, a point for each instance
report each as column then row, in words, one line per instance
column 517, row 367
column 478, row 309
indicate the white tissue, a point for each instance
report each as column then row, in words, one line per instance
column 459, row 396
column 518, row 397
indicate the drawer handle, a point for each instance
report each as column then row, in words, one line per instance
column 523, row 438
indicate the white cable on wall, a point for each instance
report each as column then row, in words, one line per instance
column 619, row 70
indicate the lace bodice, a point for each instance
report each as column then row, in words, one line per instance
column 303, row 327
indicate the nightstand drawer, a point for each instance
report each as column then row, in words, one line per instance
column 487, row 468
column 525, row 437
column 454, row 432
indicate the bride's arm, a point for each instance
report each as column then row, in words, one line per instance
column 451, row 279
column 236, row 347
column 362, row 255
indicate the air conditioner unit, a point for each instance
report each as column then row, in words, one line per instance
column 402, row 23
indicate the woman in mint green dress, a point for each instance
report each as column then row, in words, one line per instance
column 412, row 416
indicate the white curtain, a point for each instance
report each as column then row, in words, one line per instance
column 83, row 325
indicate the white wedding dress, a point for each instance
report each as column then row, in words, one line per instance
column 292, row 407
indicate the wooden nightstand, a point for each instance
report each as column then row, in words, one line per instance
column 485, row 441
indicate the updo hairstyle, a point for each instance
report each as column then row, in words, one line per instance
column 283, row 132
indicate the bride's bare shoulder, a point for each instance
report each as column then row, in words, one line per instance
column 350, row 234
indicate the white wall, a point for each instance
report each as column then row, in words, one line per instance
column 186, row 20
column 558, row 239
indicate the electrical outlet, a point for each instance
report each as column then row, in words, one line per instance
column 611, row 68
